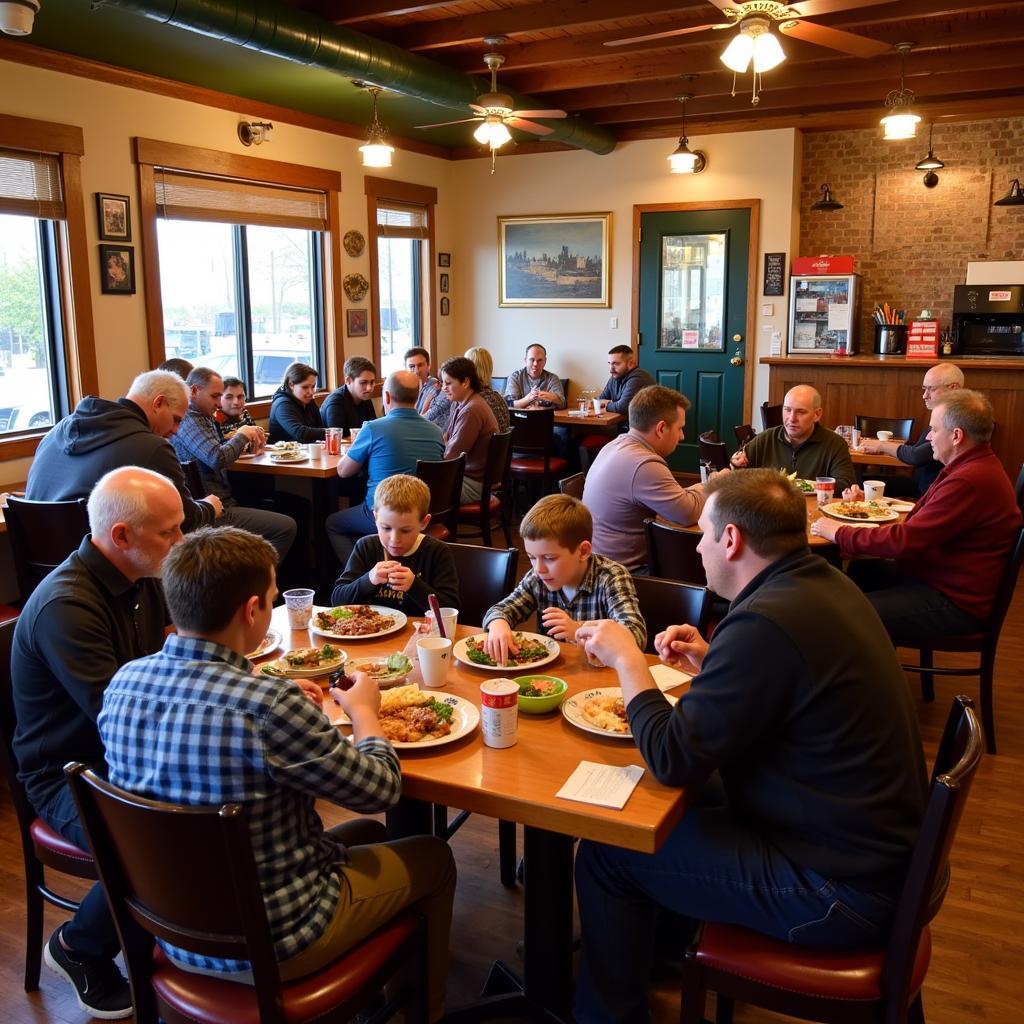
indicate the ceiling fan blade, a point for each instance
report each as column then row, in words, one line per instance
column 664, row 35
column 835, row 39
column 444, row 124
column 812, row 8
column 477, row 108
column 528, row 126
column 725, row 5
column 551, row 115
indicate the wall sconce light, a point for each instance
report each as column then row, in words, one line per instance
column 683, row 160
column 826, row 204
column 1015, row 197
column 18, row 16
column 376, row 150
column 255, row 133
column 901, row 122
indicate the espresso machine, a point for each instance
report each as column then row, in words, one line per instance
column 988, row 320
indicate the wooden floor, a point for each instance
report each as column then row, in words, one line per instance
column 978, row 959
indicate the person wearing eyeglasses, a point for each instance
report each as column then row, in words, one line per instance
column 940, row 379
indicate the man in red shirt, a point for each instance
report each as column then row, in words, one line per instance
column 940, row 569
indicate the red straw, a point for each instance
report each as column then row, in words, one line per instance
column 436, row 609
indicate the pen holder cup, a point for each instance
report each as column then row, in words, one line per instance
column 890, row 339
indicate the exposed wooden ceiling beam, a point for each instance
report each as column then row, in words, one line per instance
column 345, row 12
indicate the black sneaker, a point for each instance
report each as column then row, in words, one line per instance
column 100, row 987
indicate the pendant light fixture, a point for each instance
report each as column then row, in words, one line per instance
column 1015, row 197
column 826, row 204
column 376, row 150
column 930, row 164
column 755, row 44
column 684, row 160
column 901, row 122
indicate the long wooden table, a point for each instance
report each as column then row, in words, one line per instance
column 570, row 418
column 863, row 459
column 520, row 784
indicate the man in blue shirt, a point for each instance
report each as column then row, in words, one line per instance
column 385, row 447
column 193, row 725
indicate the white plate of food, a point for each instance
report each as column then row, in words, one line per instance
column 283, row 446
column 269, row 643
column 806, row 486
column 436, row 718
column 860, row 512
column 289, row 455
column 356, row 621
column 601, row 711
column 306, row 662
column 535, row 650
column 386, row 671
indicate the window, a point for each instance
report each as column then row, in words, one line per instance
column 242, row 265
column 401, row 240
column 46, row 359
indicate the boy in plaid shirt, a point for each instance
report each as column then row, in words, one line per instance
column 568, row 583
column 232, row 413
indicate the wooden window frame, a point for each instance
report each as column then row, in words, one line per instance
column 67, row 143
column 151, row 153
column 378, row 192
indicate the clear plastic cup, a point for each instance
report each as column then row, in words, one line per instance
column 300, row 607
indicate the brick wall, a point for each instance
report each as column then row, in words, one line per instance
column 914, row 242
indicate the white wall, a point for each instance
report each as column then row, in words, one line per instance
column 754, row 165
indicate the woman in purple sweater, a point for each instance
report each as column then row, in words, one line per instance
column 471, row 424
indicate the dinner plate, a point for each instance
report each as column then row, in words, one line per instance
column 875, row 513
column 461, row 652
column 901, row 506
column 572, row 711
column 281, row 667
column 465, row 719
column 289, row 456
column 400, row 620
column 269, row 643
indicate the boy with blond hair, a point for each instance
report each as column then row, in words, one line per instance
column 399, row 566
column 567, row 584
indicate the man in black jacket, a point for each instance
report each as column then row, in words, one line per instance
column 102, row 607
column 799, row 732
column 101, row 435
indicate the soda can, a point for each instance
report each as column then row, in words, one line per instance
column 499, row 712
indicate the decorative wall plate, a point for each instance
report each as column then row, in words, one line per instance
column 354, row 243
column 356, row 286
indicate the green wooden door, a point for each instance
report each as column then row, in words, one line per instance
column 693, row 304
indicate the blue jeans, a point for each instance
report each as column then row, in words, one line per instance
column 713, row 867
column 346, row 527
column 90, row 934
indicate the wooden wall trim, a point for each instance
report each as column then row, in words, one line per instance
column 403, row 191
column 334, row 317
column 40, row 136
column 154, row 302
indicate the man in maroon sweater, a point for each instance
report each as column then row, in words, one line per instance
column 941, row 567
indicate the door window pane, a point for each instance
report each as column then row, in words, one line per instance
column 27, row 386
column 693, row 292
column 398, row 289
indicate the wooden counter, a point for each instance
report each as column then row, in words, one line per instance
column 869, row 385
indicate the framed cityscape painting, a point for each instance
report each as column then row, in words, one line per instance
column 554, row 260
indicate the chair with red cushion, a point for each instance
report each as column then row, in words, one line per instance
column 444, row 479
column 868, row 985
column 41, row 847
column 187, row 875
column 533, row 432
column 493, row 504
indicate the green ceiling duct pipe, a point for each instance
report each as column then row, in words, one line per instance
column 294, row 35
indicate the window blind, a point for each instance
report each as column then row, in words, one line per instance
column 30, row 185
column 401, row 220
column 226, row 200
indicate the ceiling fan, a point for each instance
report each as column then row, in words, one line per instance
column 494, row 112
column 756, row 43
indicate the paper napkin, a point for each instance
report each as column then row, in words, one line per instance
column 602, row 784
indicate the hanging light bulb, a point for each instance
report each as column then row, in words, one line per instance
column 901, row 122
column 738, row 53
column 492, row 132
column 756, row 45
column 684, row 160
column 376, row 150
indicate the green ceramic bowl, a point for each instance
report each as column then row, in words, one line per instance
column 549, row 701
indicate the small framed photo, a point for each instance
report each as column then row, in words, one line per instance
column 113, row 213
column 117, row 270
column 444, row 259
column 356, row 323
column 444, row 283
column 446, row 306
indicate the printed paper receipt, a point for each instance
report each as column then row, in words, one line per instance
column 601, row 784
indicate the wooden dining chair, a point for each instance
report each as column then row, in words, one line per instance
column 900, row 427
column 43, row 534
column 849, row 986
column 665, row 603
column 187, row 875
column 984, row 643
column 672, row 553
column 771, row 415
column 712, row 452
column 532, row 437
column 572, row 485
column 444, row 479
column 745, row 433
column 41, row 847
column 494, row 493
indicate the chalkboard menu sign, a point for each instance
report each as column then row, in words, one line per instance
column 774, row 273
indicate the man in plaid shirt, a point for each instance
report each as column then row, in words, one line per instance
column 231, row 413
column 191, row 724
column 568, row 584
